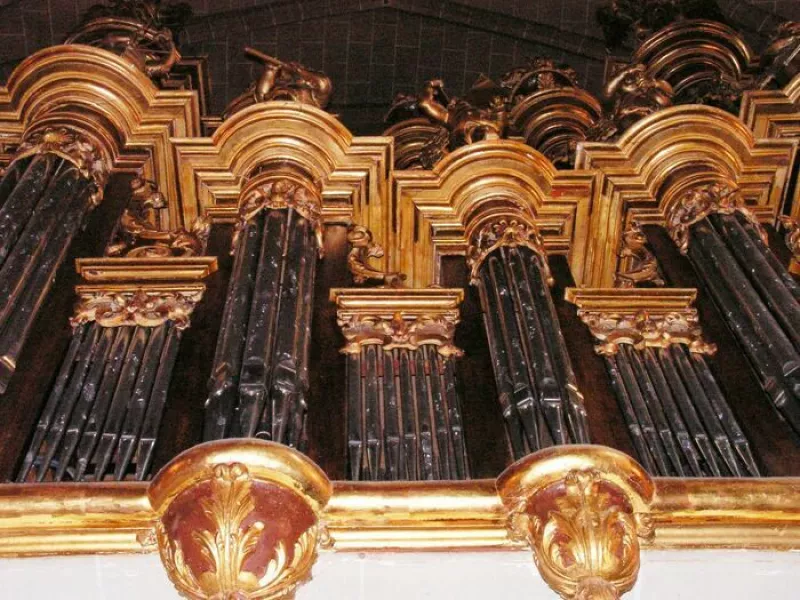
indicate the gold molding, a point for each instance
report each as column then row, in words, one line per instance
column 47, row 519
column 176, row 269
column 116, row 101
column 398, row 318
column 641, row 317
column 640, row 176
column 438, row 210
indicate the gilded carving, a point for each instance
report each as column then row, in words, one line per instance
column 701, row 201
column 779, row 62
column 642, row 329
column 283, row 81
column 140, row 233
column 224, row 550
column 362, row 249
column 73, row 146
column 142, row 31
column 362, row 329
column 631, row 95
column 505, row 232
column 584, row 536
column 277, row 193
column 792, row 229
column 539, row 74
column 145, row 308
column 638, row 263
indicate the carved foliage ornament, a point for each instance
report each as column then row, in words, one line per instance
column 280, row 193
column 233, row 537
column 585, row 536
column 437, row 330
column 505, row 232
column 641, row 329
column 362, row 249
column 72, row 146
column 144, row 308
column 139, row 233
column 701, row 201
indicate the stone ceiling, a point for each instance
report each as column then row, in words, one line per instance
column 373, row 49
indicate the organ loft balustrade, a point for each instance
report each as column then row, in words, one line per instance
column 536, row 314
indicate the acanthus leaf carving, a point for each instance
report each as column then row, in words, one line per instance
column 438, row 330
column 701, row 201
column 145, row 308
column 91, row 160
column 506, row 231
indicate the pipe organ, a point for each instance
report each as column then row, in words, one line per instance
column 261, row 291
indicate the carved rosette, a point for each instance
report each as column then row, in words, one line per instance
column 505, row 231
column 642, row 329
column 437, row 330
column 239, row 519
column 701, row 201
column 278, row 191
column 583, row 510
column 142, row 307
column 87, row 154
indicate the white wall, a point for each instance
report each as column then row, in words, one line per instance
column 685, row 575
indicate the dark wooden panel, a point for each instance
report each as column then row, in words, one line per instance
column 488, row 450
column 774, row 444
column 41, row 357
column 606, row 424
column 182, row 424
column 327, row 416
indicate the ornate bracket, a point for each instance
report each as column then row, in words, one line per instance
column 583, row 510
column 140, row 233
column 239, row 519
column 280, row 190
column 89, row 155
column 363, row 248
column 505, row 231
column 701, row 201
column 404, row 318
column 637, row 263
column 150, row 306
column 640, row 317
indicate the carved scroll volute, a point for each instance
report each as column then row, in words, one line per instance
column 583, row 510
column 239, row 519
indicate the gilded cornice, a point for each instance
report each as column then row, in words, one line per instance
column 353, row 172
column 93, row 88
column 439, row 210
column 643, row 317
column 398, row 318
column 640, row 176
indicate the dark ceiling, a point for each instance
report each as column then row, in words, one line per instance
column 373, row 49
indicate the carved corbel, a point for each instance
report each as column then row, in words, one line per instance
column 583, row 510
column 509, row 231
column 239, row 519
column 698, row 202
column 362, row 249
column 281, row 190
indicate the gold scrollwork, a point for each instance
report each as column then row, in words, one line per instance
column 139, row 233
column 438, row 330
column 642, row 329
column 280, row 192
column 146, row 308
column 229, row 544
column 792, row 228
column 510, row 232
column 364, row 248
column 73, row 146
column 701, row 201
column 638, row 264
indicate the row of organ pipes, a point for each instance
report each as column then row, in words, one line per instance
column 404, row 418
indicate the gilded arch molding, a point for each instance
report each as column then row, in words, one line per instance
column 640, row 176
